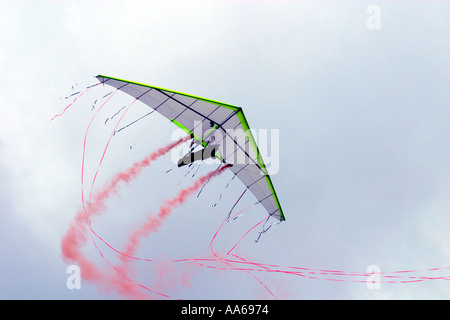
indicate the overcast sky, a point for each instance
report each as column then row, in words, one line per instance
column 359, row 95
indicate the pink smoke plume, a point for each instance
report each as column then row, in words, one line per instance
column 128, row 175
column 154, row 222
column 78, row 233
column 118, row 278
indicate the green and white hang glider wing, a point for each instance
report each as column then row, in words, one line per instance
column 203, row 118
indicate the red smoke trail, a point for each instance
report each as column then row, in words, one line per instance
column 77, row 234
column 151, row 225
column 127, row 176
column 153, row 222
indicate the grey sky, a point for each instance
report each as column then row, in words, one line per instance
column 364, row 140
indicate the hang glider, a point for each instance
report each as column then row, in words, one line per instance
column 220, row 129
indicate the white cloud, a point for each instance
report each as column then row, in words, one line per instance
column 361, row 115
